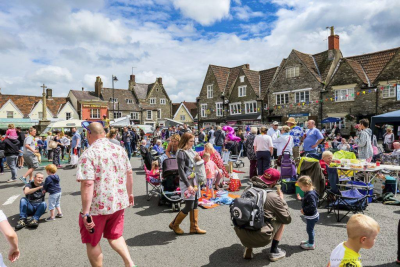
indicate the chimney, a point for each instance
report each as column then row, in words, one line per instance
column 49, row 93
column 333, row 40
column 246, row 66
column 132, row 82
column 98, row 86
column 159, row 80
column 83, row 88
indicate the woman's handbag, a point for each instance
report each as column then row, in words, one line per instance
column 279, row 160
column 52, row 144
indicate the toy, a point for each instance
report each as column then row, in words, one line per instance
column 230, row 134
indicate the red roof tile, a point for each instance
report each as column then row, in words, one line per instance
column 266, row 77
column 308, row 61
column 358, row 69
column 221, row 75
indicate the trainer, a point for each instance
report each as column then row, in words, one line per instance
column 106, row 180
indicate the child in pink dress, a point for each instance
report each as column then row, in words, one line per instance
column 11, row 133
column 212, row 173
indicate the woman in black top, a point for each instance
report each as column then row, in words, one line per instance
column 186, row 158
column 57, row 150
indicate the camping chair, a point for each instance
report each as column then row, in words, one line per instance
column 349, row 200
column 225, row 157
column 311, row 167
column 154, row 182
column 235, row 159
column 219, row 149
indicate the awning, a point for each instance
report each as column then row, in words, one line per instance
column 330, row 120
column 23, row 123
column 390, row 117
column 253, row 116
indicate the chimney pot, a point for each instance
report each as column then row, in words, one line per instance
column 132, row 78
column 333, row 40
column 159, row 80
column 247, row 66
column 83, row 88
column 49, row 93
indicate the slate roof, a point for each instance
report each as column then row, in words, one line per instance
column 121, row 95
column 266, row 77
column 142, row 90
column 26, row 103
column 254, row 80
column 374, row 63
column 84, row 95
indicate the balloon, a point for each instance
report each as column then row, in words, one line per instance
column 230, row 134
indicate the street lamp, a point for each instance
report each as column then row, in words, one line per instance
column 114, row 78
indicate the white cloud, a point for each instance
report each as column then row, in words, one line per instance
column 51, row 74
column 205, row 12
column 89, row 80
column 245, row 13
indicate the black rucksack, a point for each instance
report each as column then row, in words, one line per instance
column 248, row 210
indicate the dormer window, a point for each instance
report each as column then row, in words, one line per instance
column 153, row 101
column 242, row 79
column 115, row 100
column 129, row 101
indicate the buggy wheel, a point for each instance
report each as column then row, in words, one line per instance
column 148, row 197
column 242, row 164
column 236, row 165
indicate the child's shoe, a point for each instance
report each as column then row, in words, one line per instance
column 303, row 242
column 59, row 215
column 50, row 219
column 23, row 179
column 307, row 246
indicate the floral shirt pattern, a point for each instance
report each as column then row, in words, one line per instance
column 297, row 134
column 106, row 164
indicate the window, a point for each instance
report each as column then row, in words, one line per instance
column 242, row 79
column 149, row 115
column 250, row 107
column 389, row 92
column 67, row 115
column 159, row 114
column 203, row 110
column 183, row 118
column 218, row 109
column 95, row 113
column 153, row 101
column 162, row 101
column 344, row 95
column 10, row 114
column 117, row 114
column 40, row 115
column 303, row 96
column 282, row 99
column 292, row 72
column 242, row 91
column 235, row 108
column 115, row 100
column 134, row 115
column 129, row 101
column 210, row 91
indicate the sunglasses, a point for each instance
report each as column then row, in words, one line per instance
column 85, row 124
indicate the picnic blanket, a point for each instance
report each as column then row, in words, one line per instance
column 204, row 200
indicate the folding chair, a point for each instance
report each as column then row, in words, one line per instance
column 225, row 157
column 349, row 200
column 235, row 159
column 154, row 182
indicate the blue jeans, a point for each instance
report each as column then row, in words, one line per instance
column 12, row 164
column 310, row 230
column 263, row 161
column 128, row 149
column 27, row 209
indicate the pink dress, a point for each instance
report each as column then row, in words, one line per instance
column 218, row 161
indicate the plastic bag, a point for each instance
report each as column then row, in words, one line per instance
column 74, row 159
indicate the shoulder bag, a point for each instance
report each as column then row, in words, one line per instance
column 279, row 159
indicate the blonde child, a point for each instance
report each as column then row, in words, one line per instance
column 211, row 174
column 52, row 186
column 11, row 132
column 309, row 206
column 361, row 231
column 155, row 172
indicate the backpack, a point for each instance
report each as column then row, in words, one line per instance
column 288, row 166
column 248, row 210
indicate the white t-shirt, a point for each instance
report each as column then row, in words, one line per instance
column 65, row 141
column 2, row 218
column 263, row 142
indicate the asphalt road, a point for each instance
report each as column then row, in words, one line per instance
column 151, row 243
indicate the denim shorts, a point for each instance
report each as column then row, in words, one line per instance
column 54, row 201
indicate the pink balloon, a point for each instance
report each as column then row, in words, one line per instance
column 231, row 134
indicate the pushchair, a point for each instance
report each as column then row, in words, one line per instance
column 170, row 192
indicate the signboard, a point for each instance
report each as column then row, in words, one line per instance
column 93, row 106
column 299, row 115
column 398, row 92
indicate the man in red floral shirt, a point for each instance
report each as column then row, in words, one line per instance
column 106, row 180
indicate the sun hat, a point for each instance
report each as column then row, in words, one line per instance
column 271, row 176
column 275, row 123
column 291, row 120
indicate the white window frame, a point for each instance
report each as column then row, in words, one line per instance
column 68, row 114
column 153, row 101
column 115, row 100
column 242, row 91
column 134, row 115
column 235, row 108
column 340, row 95
column 162, row 101
column 250, row 107
column 95, row 115
column 203, row 110
column 118, row 114
column 159, row 114
column 241, row 79
column 292, row 72
column 210, row 91
column 129, row 101
column 389, row 91
column 301, row 95
column 219, row 109
column 182, row 117
column 147, row 115
column 285, row 99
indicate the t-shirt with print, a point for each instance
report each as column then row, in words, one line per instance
column 36, row 196
column 343, row 256
column 30, row 141
column 312, row 136
column 2, row 218
column 297, row 133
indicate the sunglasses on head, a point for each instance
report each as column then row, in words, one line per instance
column 85, row 124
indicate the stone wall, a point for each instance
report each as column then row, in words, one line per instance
column 159, row 92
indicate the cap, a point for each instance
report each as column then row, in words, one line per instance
column 275, row 123
column 271, row 176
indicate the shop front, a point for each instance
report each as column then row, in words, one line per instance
column 93, row 111
column 243, row 120
column 301, row 118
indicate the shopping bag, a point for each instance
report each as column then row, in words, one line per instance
column 74, row 159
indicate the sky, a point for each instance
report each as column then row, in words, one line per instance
column 66, row 44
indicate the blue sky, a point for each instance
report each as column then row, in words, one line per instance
column 66, row 44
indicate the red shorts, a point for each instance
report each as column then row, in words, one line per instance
column 112, row 226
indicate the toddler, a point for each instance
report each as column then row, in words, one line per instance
column 212, row 172
column 11, row 133
column 361, row 231
column 154, row 174
column 309, row 210
column 52, row 186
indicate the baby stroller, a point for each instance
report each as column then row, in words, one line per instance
column 170, row 192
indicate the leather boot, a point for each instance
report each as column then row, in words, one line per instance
column 174, row 225
column 194, row 227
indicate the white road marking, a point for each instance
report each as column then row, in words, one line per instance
column 10, row 200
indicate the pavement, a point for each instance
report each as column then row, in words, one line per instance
column 152, row 243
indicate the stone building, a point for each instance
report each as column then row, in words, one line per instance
column 89, row 106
